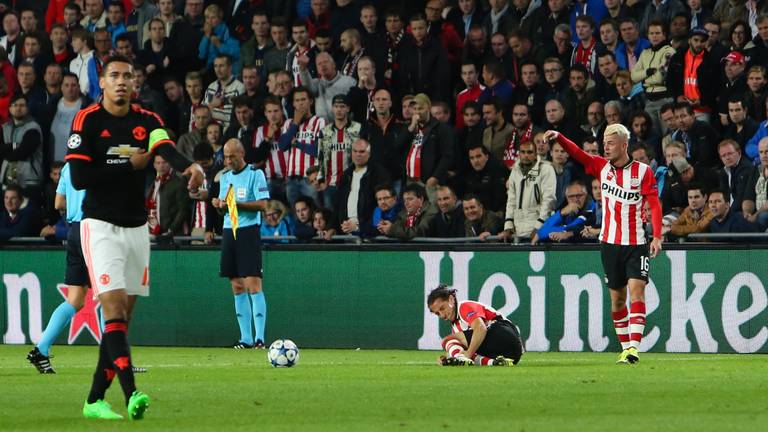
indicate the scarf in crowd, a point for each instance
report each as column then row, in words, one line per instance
column 584, row 54
column 153, row 203
column 350, row 63
column 410, row 219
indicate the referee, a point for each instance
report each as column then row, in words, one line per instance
column 241, row 246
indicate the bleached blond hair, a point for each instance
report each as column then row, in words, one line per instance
column 617, row 129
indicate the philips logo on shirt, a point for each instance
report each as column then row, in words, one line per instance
column 621, row 194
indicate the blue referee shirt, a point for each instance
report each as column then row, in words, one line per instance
column 74, row 197
column 249, row 185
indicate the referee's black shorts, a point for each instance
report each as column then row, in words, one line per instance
column 502, row 339
column 624, row 262
column 77, row 272
column 242, row 257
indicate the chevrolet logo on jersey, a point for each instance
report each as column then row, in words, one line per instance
column 123, row 151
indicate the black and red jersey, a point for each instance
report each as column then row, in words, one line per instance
column 100, row 146
column 468, row 311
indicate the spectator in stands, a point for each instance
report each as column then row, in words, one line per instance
column 324, row 224
column 698, row 137
column 741, row 128
column 301, row 55
column 530, row 196
column 83, row 54
column 28, row 87
column 755, row 96
column 497, row 18
column 497, row 85
column 167, row 201
column 623, row 88
column 218, row 42
column 387, row 207
column 214, row 136
column 253, row 51
column 299, row 137
column 556, row 84
column 34, row 54
column 556, row 120
column 275, row 57
column 220, row 93
column 356, row 191
column 651, row 67
column 60, row 115
column 441, row 112
column 497, row 132
column 681, row 174
column 756, row 199
column 303, row 209
column 725, row 219
column 276, row 223
column 591, row 232
column 361, row 95
column 585, row 51
column 187, row 142
column 486, row 179
column 467, row 15
column 633, row 45
column 396, row 38
column 206, row 220
column 328, row 84
column 568, row 223
column 430, row 147
column 523, row 130
column 183, row 38
column 478, row 222
column 546, row 21
column 605, row 78
column 565, row 172
column 148, row 97
column 734, row 85
column 95, row 15
column 51, row 216
column 62, row 54
column 449, row 220
column 531, row 92
column 382, row 132
column 595, row 121
column 692, row 71
column 103, row 50
column 335, row 148
column 423, row 64
column 115, row 20
column 22, row 150
column 542, row 147
column 471, row 133
column 472, row 91
column 695, row 218
column 578, row 97
column 413, row 220
column 659, row 10
column 609, row 36
column 352, row 48
column 736, row 175
column 374, row 40
column 20, row 217
column 520, row 54
column 72, row 17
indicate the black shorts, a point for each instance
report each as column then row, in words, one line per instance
column 502, row 339
column 241, row 257
column 624, row 262
column 77, row 272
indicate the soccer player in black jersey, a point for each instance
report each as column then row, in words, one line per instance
column 111, row 144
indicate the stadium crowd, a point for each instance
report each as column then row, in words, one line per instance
column 404, row 119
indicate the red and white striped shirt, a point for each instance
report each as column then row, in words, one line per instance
column 468, row 311
column 625, row 190
column 298, row 160
column 277, row 161
column 413, row 161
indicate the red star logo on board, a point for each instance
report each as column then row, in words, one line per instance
column 87, row 318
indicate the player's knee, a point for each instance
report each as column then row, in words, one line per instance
column 238, row 287
column 76, row 303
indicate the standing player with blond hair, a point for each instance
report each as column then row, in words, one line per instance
column 626, row 186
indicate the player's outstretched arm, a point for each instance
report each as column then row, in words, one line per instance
column 570, row 147
column 86, row 174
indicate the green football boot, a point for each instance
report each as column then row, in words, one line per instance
column 623, row 357
column 100, row 410
column 137, row 404
column 632, row 355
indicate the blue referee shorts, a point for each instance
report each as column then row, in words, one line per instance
column 242, row 257
column 77, row 272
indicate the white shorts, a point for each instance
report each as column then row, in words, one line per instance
column 117, row 257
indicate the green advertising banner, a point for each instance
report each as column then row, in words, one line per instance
column 697, row 300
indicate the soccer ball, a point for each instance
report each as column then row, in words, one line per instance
column 283, row 353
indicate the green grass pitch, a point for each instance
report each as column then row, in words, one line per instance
column 346, row 390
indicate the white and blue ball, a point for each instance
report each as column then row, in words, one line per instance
column 283, row 353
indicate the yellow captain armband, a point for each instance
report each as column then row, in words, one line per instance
column 158, row 137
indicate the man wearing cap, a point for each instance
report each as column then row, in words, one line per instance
column 335, row 148
column 735, row 83
column 428, row 145
column 693, row 73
